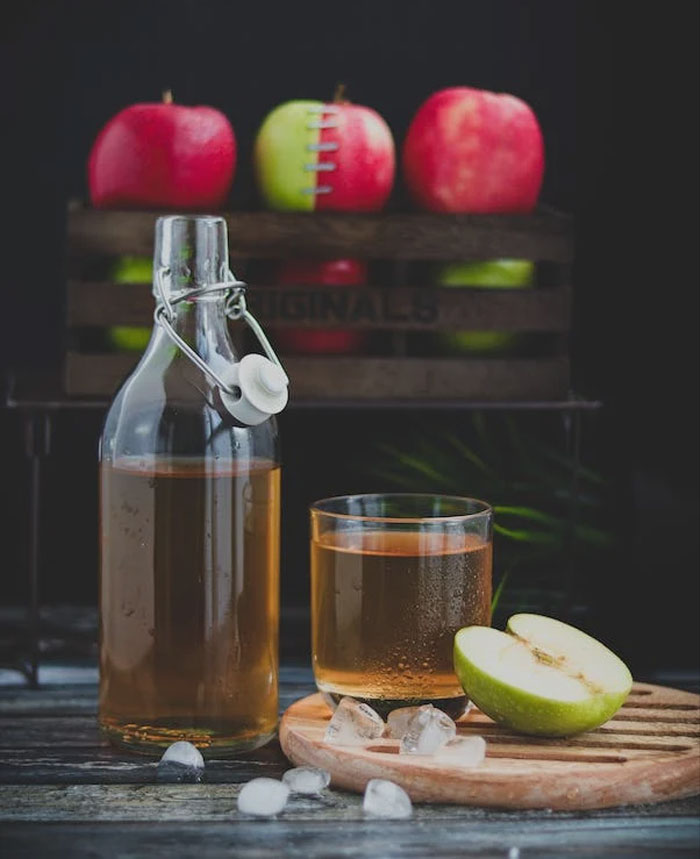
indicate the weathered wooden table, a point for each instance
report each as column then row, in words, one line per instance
column 63, row 791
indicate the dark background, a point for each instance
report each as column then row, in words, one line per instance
column 615, row 88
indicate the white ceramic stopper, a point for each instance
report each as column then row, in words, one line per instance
column 263, row 389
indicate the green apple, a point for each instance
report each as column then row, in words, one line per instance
column 498, row 273
column 282, row 151
column 541, row 676
column 131, row 338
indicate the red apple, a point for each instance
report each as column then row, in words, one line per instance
column 317, row 341
column 315, row 156
column 469, row 150
column 163, row 156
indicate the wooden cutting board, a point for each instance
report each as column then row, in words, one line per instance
column 650, row 751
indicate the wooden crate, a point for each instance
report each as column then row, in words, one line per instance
column 399, row 304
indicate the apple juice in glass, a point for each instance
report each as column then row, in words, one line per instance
column 393, row 577
column 190, row 517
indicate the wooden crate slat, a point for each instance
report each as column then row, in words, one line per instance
column 429, row 378
column 362, row 379
column 366, row 307
column 543, row 235
column 103, row 304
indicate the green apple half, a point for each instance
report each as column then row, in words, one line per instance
column 131, row 338
column 541, row 676
column 281, row 153
column 497, row 273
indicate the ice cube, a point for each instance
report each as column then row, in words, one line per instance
column 397, row 721
column 263, row 797
column 181, row 761
column 462, row 752
column 353, row 724
column 427, row 730
column 306, row 779
column 385, row 799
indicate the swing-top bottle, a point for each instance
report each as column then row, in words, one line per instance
column 190, row 516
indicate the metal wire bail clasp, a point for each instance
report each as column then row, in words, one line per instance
column 254, row 390
column 237, row 308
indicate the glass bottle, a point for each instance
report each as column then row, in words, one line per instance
column 190, row 516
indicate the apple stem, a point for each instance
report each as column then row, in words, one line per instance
column 339, row 94
column 167, row 96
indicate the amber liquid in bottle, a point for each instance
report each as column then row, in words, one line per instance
column 189, row 602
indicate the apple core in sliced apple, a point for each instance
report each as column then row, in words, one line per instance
column 541, row 676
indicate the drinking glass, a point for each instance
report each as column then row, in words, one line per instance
column 393, row 577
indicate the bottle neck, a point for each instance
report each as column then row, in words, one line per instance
column 203, row 325
column 191, row 252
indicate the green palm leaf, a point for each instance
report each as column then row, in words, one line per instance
column 540, row 515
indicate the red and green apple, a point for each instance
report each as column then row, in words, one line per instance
column 314, row 156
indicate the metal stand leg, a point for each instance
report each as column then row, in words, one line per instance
column 37, row 429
